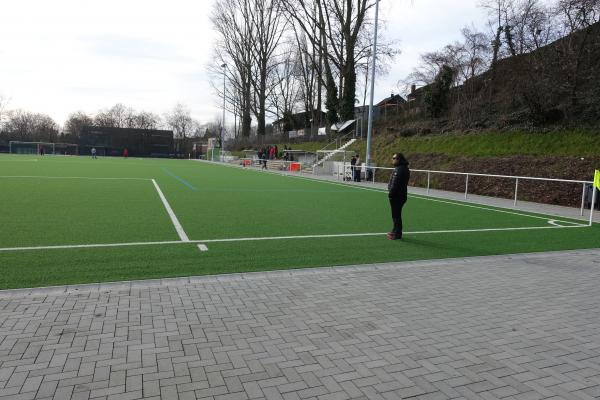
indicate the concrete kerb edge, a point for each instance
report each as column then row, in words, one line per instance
column 202, row 279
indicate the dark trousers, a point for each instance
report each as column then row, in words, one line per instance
column 396, row 203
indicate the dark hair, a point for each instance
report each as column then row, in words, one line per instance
column 401, row 159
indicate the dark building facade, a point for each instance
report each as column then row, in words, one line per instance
column 138, row 142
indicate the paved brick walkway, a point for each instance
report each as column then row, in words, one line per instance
column 519, row 327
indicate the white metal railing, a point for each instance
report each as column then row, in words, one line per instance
column 345, row 171
column 330, row 153
column 371, row 172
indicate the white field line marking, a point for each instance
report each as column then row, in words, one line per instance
column 92, row 246
column 34, row 160
column 202, row 247
column 73, row 177
column 493, row 209
column 255, row 239
column 556, row 223
column 178, row 227
column 343, row 235
column 456, row 203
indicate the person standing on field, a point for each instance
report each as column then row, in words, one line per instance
column 398, row 193
column 93, row 152
column 357, row 169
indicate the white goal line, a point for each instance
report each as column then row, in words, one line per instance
column 256, row 239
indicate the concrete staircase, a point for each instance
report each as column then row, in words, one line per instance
column 334, row 152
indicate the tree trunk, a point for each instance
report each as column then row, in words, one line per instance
column 262, row 99
column 347, row 102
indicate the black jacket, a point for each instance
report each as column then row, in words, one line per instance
column 398, row 184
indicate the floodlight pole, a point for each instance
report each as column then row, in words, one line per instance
column 373, row 64
column 224, row 66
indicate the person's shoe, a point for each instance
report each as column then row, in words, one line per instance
column 393, row 236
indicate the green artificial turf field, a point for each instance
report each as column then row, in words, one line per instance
column 69, row 220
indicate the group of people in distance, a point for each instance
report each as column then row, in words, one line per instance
column 268, row 153
column 272, row 153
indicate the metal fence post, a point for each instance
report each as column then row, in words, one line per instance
column 428, row 180
column 516, row 190
column 583, row 199
column 592, row 205
column 467, row 186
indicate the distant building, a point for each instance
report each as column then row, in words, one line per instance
column 362, row 112
column 416, row 94
column 415, row 100
column 139, row 142
column 388, row 105
column 295, row 124
column 393, row 100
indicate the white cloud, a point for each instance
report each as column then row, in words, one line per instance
column 62, row 56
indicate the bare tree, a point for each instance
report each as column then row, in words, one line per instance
column 234, row 49
column 532, row 25
column 118, row 116
column 28, row 126
column 574, row 16
column 474, row 54
column 501, row 12
column 145, row 120
column 431, row 64
column 75, row 123
column 387, row 50
column 339, row 25
column 287, row 83
column 267, row 26
column 180, row 121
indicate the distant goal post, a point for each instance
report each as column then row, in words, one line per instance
column 50, row 148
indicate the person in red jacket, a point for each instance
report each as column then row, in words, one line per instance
column 125, row 153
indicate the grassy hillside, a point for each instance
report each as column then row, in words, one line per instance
column 565, row 144
column 570, row 154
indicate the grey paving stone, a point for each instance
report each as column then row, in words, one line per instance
column 510, row 327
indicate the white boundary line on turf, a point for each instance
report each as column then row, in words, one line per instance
column 256, row 239
column 493, row 209
column 73, row 177
column 417, row 196
column 182, row 235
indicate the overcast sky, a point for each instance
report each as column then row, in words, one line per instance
column 61, row 56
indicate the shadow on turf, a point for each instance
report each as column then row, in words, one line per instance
column 431, row 244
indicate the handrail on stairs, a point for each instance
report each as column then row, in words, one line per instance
column 333, row 152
